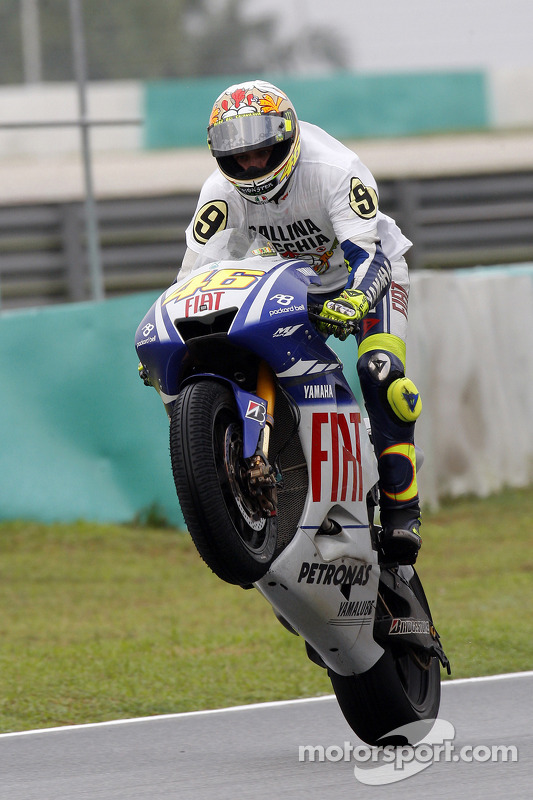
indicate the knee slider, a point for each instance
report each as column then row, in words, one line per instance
column 386, row 373
column 404, row 399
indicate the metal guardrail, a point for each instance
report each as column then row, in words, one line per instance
column 465, row 221
column 454, row 222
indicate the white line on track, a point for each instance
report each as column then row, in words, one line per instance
column 272, row 704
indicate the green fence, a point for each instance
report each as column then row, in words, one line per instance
column 347, row 105
column 82, row 437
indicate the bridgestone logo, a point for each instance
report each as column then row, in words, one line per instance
column 399, row 626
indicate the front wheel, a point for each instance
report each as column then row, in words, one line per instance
column 226, row 522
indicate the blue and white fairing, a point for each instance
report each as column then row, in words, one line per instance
column 264, row 302
column 268, row 300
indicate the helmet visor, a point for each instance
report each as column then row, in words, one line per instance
column 239, row 134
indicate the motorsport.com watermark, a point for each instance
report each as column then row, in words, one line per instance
column 389, row 764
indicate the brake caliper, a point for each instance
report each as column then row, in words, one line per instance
column 262, row 482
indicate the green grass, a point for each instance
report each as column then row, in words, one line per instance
column 104, row 622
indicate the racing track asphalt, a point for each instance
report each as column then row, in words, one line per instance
column 252, row 752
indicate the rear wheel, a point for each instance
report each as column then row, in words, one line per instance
column 402, row 688
column 226, row 521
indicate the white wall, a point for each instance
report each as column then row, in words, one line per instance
column 59, row 102
column 470, row 352
column 511, row 98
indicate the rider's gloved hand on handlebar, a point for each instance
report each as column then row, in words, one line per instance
column 338, row 315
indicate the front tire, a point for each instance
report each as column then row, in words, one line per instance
column 231, row 533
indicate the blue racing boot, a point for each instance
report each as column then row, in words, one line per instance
column 400, row 540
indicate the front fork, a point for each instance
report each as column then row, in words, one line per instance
column 261, row 474
column 266, row 388
column 253, row 471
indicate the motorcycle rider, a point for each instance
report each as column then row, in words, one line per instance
column 315, row 200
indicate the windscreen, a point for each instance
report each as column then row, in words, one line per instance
column 233, row 244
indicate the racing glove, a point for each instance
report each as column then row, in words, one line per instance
column 339, row 315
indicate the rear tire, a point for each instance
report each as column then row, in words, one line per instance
column 229, row 530
column 402, row 688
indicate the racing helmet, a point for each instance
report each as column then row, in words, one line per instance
column 251, row 116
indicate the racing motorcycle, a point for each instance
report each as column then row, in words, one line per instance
column 277, row 479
